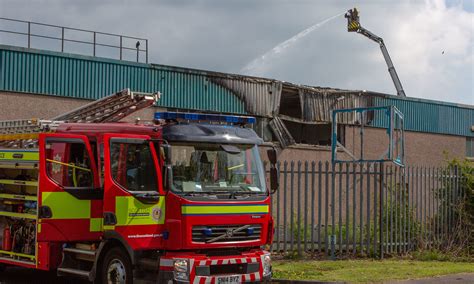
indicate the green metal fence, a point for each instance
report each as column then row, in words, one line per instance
column 370, row 209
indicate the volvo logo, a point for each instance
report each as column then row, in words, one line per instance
column 229, row 233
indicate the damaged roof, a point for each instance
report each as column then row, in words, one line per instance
column 51, row 73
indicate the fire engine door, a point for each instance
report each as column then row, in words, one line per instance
column 69, row 193
column 134, row 203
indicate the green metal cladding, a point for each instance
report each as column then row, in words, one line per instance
column 429, row 116
column 76, row 76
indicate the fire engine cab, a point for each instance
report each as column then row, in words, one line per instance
column 182, row 199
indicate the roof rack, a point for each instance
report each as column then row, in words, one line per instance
column 23, row 132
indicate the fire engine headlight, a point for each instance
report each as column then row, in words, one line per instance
column 181, row 269
column 267, row 265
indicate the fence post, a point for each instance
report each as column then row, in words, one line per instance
column 94, row 43
column 368, row 211
column 340, row 171
column 29, row 34
column 381, row 191
column 347, row 208
column 375, row 247
column 361, row 209
column 146, row 54
column 333, row 210
column 354, row 208
column 404, row 206
column 320, row 189
column 62, row 39
column 277, row 225
column 391, row 201
column 326, row 209
column 298, row 210
column 306, row 188
column 285, row 206
column 121, row 47
column 313, row 165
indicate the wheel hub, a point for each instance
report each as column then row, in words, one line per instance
column 116, row 273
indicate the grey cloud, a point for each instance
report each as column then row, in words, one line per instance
column 226, row 35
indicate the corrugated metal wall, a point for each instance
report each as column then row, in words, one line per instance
column 425, row 116
column 51, row 73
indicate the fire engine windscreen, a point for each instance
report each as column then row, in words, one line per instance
column 213, row 168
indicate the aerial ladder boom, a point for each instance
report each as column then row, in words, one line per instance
column 353, row 25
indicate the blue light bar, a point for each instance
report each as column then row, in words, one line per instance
column 205, row 117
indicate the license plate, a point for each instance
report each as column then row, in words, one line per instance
column 234, row 279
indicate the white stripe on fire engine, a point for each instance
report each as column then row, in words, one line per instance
column 214, row 262
column 232, row 261
column 191, row 264
column 225, row 261
column 202, row 263
column 257, row 276
column 253, row 259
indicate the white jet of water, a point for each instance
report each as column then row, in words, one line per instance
column 258, row 62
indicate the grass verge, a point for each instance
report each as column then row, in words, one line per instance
column 366, row 271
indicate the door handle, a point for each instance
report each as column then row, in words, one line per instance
column 110, row 219
column 45, row 212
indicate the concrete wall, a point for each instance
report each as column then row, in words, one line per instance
column 424, row 149
column 22, row 105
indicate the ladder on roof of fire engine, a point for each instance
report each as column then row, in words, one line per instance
column 109, row 109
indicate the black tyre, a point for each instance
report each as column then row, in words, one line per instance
column 116, row 267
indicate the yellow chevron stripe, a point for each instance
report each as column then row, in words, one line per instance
column 224, row 209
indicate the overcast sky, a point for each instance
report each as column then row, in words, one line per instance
column 431, row 42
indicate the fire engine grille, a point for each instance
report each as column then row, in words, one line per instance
column 227, row 233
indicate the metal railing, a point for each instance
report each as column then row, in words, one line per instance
column 62, row 38
column 354, row 209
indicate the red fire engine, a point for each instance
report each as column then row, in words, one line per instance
column 180, row 200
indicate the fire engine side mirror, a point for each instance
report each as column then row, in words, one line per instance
column 167, row 177
column 274, row 180
column 167, row 153
column 167, row 168
column 272, row 155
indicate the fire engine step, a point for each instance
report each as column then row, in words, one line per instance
column 149, row 264
column 73, row 271
column 79, row 251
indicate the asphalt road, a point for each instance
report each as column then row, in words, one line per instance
column 21, row 275
column 16, row 275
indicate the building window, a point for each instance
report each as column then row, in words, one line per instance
column 470, row 147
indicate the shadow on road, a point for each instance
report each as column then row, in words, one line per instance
column 16, row 275
column 22, row 275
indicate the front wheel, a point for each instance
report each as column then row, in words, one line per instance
column 116, row 267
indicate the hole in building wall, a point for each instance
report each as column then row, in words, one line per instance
column 290, row 104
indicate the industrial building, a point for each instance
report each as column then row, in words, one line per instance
column 41, row 84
